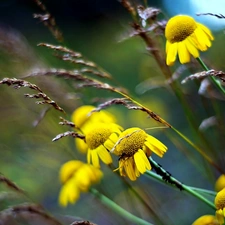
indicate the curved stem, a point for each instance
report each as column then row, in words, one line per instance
column 166, row 178
column 213, row 79
column 119, row 210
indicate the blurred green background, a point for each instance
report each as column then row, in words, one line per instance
column 29, row 157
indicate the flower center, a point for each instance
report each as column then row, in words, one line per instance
column 179, row 28
column 131, row 142
column 97, row 136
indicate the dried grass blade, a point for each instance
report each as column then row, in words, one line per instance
column 49, row 21
column 33, row 209
column 203, row 74
column 69, row 133
column 61, row 49
column 10, row 184
column 66, row 122
column 18, row 83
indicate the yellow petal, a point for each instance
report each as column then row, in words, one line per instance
column 156, row 142
column 89, row 156
column 184, row 55
column 104, row 155
column 191, row 48
column 129, row 168
column 171, row 54
column 121, row 168
column 136, row 171
column 109, row 144
column 69, row 193
column 154, row 149
column 141, row 161
column 83, row 179
column 167, row 46
column 67, row 169
column 200, row 35
column 94, row 158
column 203, row 39
column 206, row 30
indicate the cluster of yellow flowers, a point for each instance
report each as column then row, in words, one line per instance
column 103, row 137
column 133, row 146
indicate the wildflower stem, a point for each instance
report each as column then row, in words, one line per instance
column 198, row 149
column 165, row 177
column 119, row 210
column 215, row 82
column 204, row 191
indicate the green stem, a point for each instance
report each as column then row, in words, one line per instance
column 215, row 82
column 198, row 149
column 119, row 210
column 166, row 178
column 199, row 196
column 204, row 191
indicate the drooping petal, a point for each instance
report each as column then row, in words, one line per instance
column 69, row 193
column 89, row 158
column 154, row 149
column 155, row 142
column 172, row 53
column 129, row 168
column 94, row 158
column 191, row 48
column 104, row 154
column 121, row 168
column 141, row 161
column 167, row 46
column 206, row 30
column 110, row 142
column 183, row 53
column 203, row 39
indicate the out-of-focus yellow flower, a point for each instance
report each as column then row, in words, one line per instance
column 82, row 117
column 76, row 177
column 185, row 37
column 134, row 147
column 206, row 220
column 220, row 206
column 100, row 138
column 220, row 183
column 83, row 114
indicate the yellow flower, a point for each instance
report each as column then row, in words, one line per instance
column 134, row 146
column 220, row 183
column 206, row 220
column 100, row 138
column 185, row 37
column 76, row 177
column 82, row 116
column 220, row 206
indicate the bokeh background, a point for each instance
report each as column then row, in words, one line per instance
column 99, row 30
